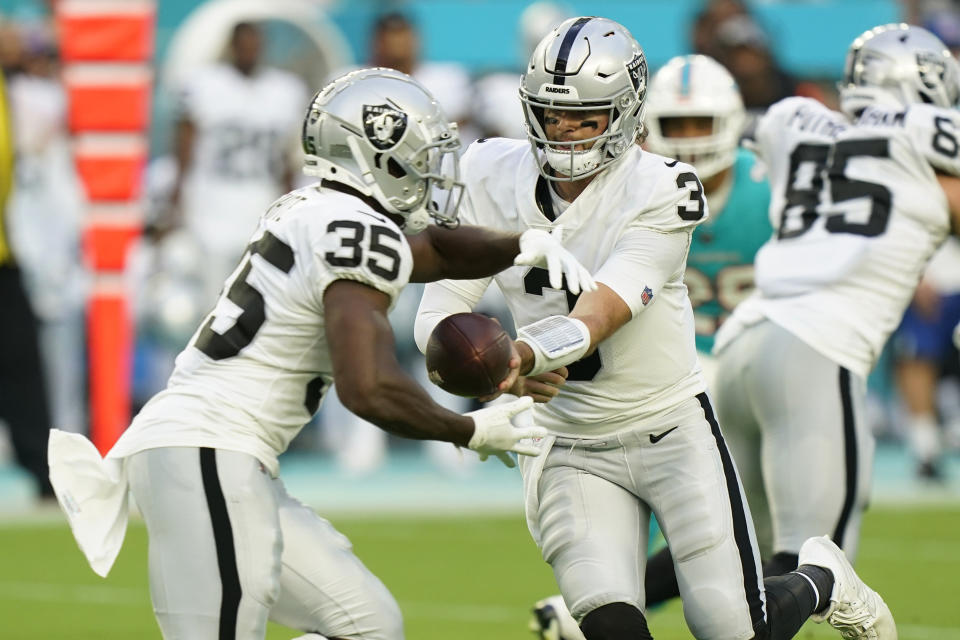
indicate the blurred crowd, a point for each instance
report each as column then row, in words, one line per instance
column 233, row 148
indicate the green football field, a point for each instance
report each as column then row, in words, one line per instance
column 455, row 578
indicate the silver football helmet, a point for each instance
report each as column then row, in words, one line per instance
column 898, row 65
column 585, row 64
column 378, row 131
column 696, row 86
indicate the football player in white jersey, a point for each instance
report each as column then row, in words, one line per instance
column 694, row 113
column 632, row 431
column 235, row 143
column 306, row 306
column 861, row 200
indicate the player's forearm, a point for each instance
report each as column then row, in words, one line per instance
column 397, row 404
column 473, row 252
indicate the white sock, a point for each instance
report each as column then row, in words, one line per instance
column 924, row 437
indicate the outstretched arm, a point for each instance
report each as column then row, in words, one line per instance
column 369, row 379
column 372, row 384
column 476, row 252
column 643, row 261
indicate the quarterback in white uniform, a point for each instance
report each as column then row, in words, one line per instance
column 861, row 200
column 632, row 430
column 307, row 304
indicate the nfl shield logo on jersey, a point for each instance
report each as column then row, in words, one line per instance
column 646, row 296
column 383, row 125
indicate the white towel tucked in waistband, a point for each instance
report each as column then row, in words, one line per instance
column 92, row 492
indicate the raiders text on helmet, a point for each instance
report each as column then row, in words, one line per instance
column 696, row 86
column 379, row 132
column 898, row 65
column 585, row 64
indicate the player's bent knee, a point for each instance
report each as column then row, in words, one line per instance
column 615, row 621
column 717, row 612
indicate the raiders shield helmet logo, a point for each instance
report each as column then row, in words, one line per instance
column 383, row 125
column 637, row 69
column 932, row 69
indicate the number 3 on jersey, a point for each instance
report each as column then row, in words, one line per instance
column 695, row 207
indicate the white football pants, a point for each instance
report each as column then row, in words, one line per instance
column 229, row 548
column 595, row 499
column 795, row 423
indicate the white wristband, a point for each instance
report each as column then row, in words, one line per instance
column 556, row 341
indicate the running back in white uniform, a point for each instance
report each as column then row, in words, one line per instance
column 858, row 212
column 254, row 372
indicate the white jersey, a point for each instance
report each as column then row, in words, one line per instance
column 857, row 213
column 245, row 128
column 631, row 228
column 254, row 372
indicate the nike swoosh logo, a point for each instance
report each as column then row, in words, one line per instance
column 654, row 439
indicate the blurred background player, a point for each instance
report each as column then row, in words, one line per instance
column 695, row 114
column 861, row 200
column 235, row 147
column 23, row 399
column 45, row 211
column 926, row 363
column 497, row 112
column 395, row 43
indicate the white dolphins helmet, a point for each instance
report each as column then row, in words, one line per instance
column 585, row 64
column 898, row 65
column 379, row 132
column 696, row 86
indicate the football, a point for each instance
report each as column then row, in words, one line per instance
column 468, row 354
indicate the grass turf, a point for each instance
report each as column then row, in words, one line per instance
column 464, row 578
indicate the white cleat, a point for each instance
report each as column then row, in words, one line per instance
column 552, row 621
column 855, row 610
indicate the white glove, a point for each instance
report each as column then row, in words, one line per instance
column 500, row 428
column 539, row 248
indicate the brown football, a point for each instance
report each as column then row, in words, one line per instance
column 468, row 354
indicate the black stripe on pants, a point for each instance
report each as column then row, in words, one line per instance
column 223, row 538
column 850, row 456
column 741, row 529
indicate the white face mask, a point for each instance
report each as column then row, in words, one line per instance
column 583, row 161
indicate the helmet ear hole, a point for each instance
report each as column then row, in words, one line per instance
column 394, row 168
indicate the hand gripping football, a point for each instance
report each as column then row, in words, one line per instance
column 468, row 354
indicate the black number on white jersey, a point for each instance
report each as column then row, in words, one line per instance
column 696, row 207
column 228, row 344
column 534, row 282
column 811, row 166
column 383, row 259
column 944, row 138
